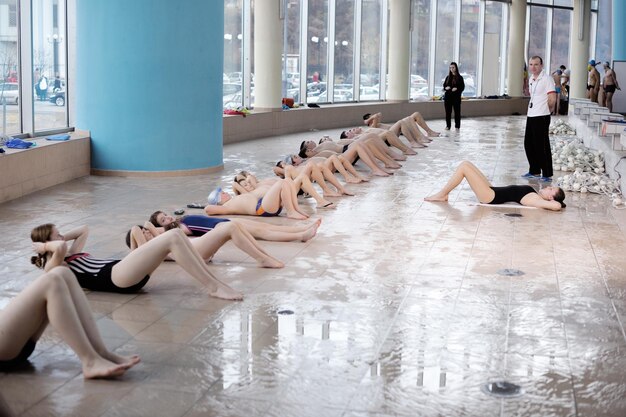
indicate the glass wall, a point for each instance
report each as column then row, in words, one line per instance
column 603, row 36
column 317, row 39
column 468, row 51
column 561, row 24
column 444, row 43
column 292, row 65
column 49, row 64
column 233, row 52
column 420, row 48
column 370, row 50
column 537, row 44
column 344, row 51
column 9, row 71
column 492, row 57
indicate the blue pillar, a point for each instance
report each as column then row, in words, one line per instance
column 149, row 83
column 619, row 31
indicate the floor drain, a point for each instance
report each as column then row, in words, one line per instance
column 285, row 312
column 509, row 272
column 513, row 215
column 502, row 389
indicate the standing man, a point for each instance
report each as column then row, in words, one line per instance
column 609, row 84
column 536, row 136
column 593, row 83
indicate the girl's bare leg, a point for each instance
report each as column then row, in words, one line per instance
column 146, row 258
column 395, row 141
column 303, row 182
column 475, row 178
column 275, row 233
column 210, row 242
column 318, row 176
column 334, row 163
column 382, row 152
column 413, row 134
column 350, row 168
column 356, row 149
column 49, row 299
column 283, row 193
column 327, row 173
column 89, row 325
column 417, row 117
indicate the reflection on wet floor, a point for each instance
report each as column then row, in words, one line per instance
column 396, row 307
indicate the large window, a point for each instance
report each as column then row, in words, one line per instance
column 317, row 69
column 420, row 48
column 344, row 51
column 292, row 66
column 370, row 50
column 49, row 64
column 9, row 71
column 537, row 31
column 603, row 35
column 446, row 14
column 492, row 47
column 561, row 23
column 233, row 44
column 468, row 51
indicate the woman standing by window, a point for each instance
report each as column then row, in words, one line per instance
column 453, row 88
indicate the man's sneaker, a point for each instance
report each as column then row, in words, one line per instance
column 529, row 175
column 545, row 179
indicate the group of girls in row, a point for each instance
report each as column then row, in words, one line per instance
column 56, row 297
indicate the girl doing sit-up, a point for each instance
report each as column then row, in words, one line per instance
column 209, row 243
column 549, row 198
column 56, row 298
column 128, row 275
column 265, row 201
column 198, row 225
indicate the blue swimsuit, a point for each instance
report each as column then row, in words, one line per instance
column 200, row 225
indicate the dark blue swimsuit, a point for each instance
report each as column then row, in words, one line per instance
column 200, row 225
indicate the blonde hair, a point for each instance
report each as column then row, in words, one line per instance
column 42, row 234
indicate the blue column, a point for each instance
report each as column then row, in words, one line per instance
column 619, row 31
column 149, row 83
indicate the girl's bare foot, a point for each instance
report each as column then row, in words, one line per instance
column 296, row 215
column 410, row 152
column 271, row 263
column 353, row 180
column 418, row 145
column 346, row 192
column 433, row 134
column 226, row 293
column 128, row 361
column 436, row 197
column 379, row 173
column 310, row 234
column 394, row 166
column 332, row 194
column 102, row 368
column 399, row 158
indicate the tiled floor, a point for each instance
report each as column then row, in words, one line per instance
column 396, row 307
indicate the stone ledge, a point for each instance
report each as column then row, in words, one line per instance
column 24, row 171
column 273, row 123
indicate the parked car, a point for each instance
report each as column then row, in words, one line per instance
column 369, row 93
column 58, row 98
column 9, row 93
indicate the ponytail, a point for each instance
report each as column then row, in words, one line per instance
column 42, row 234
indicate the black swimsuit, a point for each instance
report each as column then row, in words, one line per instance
column 95, row 274
column 21, row 357
column 511, row 193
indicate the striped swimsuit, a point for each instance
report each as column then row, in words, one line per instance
column 95, row 274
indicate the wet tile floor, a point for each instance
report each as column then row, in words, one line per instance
column 396, row 307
